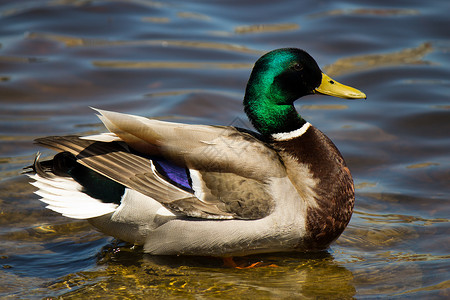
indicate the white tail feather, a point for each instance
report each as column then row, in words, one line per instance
column 64, row 195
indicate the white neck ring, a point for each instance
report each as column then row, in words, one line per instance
column 285, row 136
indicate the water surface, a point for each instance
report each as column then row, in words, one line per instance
column 189, row 61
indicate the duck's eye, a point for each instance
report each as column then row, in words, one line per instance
column 298, row 67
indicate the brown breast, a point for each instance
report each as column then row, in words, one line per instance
column 335, row 194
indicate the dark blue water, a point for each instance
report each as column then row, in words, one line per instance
column 189, row 61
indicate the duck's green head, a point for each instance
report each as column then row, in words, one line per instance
column 278, row 79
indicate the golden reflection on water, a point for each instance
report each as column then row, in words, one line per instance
column 370, row 239
column 443, row 287
column 156, row 19
column 374, row 218
column 422, row 165
column 408, row 56
column 71, row 41
column 408, row 256
column 264, row 28
column 150, row 277
column 193, row 15
column 79, row 231
column 363, row 185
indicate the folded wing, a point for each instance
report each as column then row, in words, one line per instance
column 229, row 169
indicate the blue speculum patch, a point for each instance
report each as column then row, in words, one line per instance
column 175, row 174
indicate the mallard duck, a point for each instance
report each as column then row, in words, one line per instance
column 221, row 191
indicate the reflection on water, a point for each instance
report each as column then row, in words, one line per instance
column 262, row 28
column 70, row 41
column 367, row 11
column 140, row 275
column 410, row 56
column 169, row 65
column 189, row 61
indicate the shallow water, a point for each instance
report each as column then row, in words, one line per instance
column 189, row 61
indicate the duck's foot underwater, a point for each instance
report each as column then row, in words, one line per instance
column 229, row 262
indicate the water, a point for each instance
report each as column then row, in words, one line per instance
column 188, row 61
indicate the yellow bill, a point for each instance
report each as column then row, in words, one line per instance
column 333, row 88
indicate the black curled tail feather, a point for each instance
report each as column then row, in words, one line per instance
column 38, row 167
